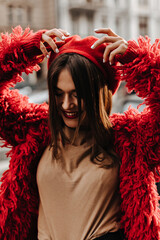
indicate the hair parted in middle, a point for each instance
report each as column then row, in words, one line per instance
column 91, row 87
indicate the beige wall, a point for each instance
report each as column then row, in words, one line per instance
column 38, row 14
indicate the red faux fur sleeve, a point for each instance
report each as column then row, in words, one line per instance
column 24, row 126
column 18, row 53
column 137, row 141
column 142, row 75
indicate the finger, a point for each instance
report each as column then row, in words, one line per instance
column 50, row 42
column 113, row 46
column 44, row 50
column 105, row 39
column 64, row 32
column 56, row 33
column 107, row 31
column 120, row 50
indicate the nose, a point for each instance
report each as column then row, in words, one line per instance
column 67, row 102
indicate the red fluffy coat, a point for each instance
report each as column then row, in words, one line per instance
column 24, row 127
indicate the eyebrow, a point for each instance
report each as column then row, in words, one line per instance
column 58, row 89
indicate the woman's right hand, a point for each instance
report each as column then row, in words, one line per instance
column 49, row 37
column 116, row 44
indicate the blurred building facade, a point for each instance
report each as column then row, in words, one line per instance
column 128, row 18
column 37, row 14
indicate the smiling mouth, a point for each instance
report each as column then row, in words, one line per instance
column 70, row 115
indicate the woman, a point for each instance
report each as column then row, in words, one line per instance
column 70, row 172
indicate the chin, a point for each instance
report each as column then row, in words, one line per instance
column 71, row 123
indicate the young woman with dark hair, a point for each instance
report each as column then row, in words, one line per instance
column 89, row 89
column 75, row 171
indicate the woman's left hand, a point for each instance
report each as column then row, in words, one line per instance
column 49, row 36
column 117, row 44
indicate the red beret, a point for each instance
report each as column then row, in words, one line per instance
column 75, row 44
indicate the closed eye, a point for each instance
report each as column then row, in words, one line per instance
column 58, row 94
column 74, row 95
column 61, row 94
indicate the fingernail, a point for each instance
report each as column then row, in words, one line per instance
column 56, row 50
column 92, row 46
column 96, row 29
column 104, row 60
column 63, row 37
column 47, row 56
column 68, row 34
column 110, row 63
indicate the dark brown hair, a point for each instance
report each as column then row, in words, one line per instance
column 91, row 86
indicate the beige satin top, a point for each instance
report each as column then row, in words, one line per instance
column 78, row 199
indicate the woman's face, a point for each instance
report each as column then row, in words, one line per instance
column 66, row 99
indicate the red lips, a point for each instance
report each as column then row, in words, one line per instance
column 70, row 115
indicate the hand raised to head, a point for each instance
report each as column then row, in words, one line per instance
column 49, row 37
column 117, row 44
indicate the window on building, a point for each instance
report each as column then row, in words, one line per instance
column 29, row 14
column 19, row 13
column 10, row 14
column 143, row 2
column 90, row 22
column 116, row 2
column 143, row 26
column 16, row 15
column 75, row 21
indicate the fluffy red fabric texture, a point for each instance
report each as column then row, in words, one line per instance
column 75, row 44
column 24, row 127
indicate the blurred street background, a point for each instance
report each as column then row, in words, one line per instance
column 128, row 18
